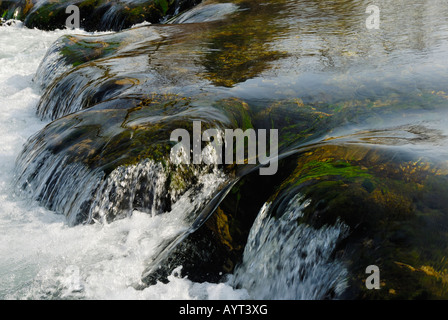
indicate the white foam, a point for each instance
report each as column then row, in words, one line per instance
column 40, row 256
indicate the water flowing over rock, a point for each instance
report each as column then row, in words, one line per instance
column 362, row 147
column 95, row 15
column 112, row 141
column 289, row 260
column 363, row 206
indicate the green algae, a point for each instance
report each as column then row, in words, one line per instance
column 237, row 110
column 341, row 169
column 393, row 208
column 96, row 14
column 78, row 51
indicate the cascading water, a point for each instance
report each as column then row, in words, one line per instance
column 43, row 258
column 93, row 207
column 84, row 195
column 285, row 259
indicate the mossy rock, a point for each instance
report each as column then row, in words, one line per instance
column 80, row 71
column 393, row 205
column 216, row 248
column 391, row 202
column 103, row 15
column 17, row 9
column 77, row 51
column 119, row 133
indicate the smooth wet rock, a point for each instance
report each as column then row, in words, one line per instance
column 78, row 66
column 89, row 147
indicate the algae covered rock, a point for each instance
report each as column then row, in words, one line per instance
column 240, row 49
column 79, row 71
column 95, row 15
column 216, row 248
column 333, row 210
column 369, row 206
column 123, row 135
column 15, row 9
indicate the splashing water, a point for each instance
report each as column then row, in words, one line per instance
column 287, row 260
column 41, row 256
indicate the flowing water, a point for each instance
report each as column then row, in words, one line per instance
column 41, row 257
column 358, row 87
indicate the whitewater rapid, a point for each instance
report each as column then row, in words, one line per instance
column 41, row 257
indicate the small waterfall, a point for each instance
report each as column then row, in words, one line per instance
column 52, row 65
column 124, row 187
column 69, row 87
column 82, row 70
column 86, row 194
column 285, row 259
